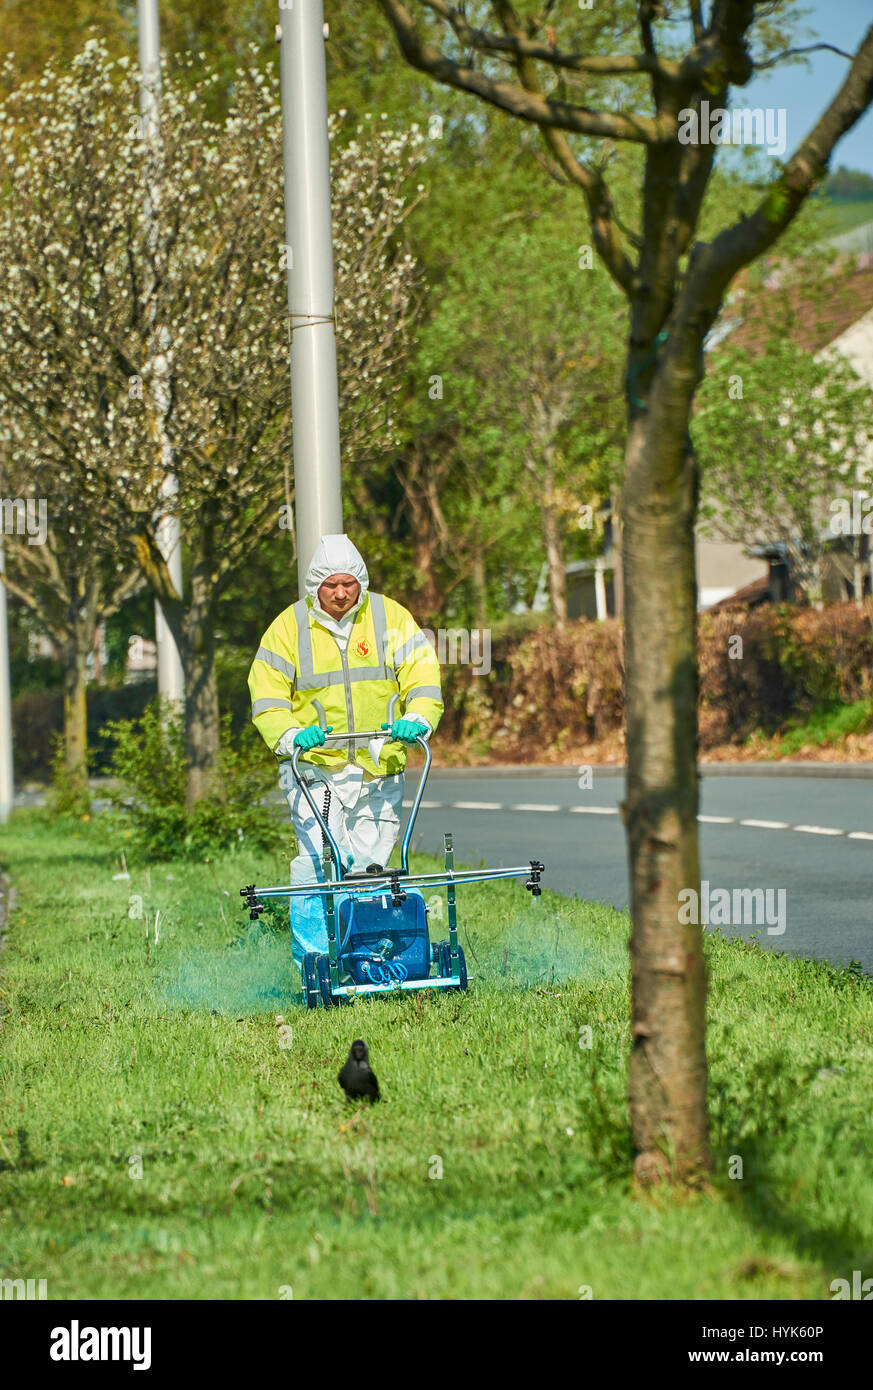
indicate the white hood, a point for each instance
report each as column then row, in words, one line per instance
column 335, row 555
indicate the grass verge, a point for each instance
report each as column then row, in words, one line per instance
column 497, row 1166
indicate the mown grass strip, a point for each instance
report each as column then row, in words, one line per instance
column 498, row 1164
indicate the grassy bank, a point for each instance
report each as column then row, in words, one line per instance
column 844, row 214
column 121, row 1054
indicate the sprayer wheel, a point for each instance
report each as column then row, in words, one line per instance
column 309, row 977
column 328, row 1000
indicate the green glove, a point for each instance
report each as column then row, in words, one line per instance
column 311, row 737
column 406, row 730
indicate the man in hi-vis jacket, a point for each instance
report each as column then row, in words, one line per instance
column 332, row 662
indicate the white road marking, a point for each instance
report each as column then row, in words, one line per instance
column 614, row 811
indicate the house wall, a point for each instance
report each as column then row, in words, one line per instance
column 722, row 568
column 581, row 598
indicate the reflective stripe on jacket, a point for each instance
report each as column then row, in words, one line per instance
column 301, row 676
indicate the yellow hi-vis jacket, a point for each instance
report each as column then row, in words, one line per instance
column 301, row 676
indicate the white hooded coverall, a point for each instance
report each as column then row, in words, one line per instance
column 364, row 812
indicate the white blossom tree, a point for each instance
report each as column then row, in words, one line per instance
column 66, row 585
column 92, row 295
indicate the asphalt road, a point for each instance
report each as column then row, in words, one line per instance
column 827, row 877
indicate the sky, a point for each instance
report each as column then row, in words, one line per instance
column 805, row 92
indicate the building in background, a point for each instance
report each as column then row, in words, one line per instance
column 728, row 572
column 142, row 660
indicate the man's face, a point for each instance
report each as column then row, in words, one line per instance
column 338, row 594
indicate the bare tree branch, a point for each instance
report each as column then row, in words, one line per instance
column 645, row 17
column 603, row 225
column 128, row 586
column 25, row 596
column 696, row 19
column 747, row 239
column 523, row 104
column 516, row 45
column 604, row 228
column 793, row 52
column 730, row 57
column 156, row 570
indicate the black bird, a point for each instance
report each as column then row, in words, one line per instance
column 356, row 1078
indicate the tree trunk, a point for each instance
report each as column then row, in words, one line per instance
column 191, row 622
column 480, row 593
column 427, row 592
column 98, row 653
column 76, row 716
column 542, row 431
column 75, row 643
column 202, row 727
column 858, row 570
column 667, row 1083
column 617, row 575
column 555, row 562
column 816, row 585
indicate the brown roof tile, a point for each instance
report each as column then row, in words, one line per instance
column 816, row 315
column 747, row 597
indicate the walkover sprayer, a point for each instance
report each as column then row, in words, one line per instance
column 377, row 931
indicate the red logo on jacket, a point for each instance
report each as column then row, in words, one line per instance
column 363, row 647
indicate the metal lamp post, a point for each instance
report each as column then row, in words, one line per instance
column 171, row 677
column 309, row 263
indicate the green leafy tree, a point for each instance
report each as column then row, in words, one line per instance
column 531, row 327
column 35, row 37
column 66, row 585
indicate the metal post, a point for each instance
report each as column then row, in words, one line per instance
column 617, row 557
column 450, row 901
column 171, row 676
column 331, row 908
column 7, row 788
column 600, row 589
column 309, row 261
